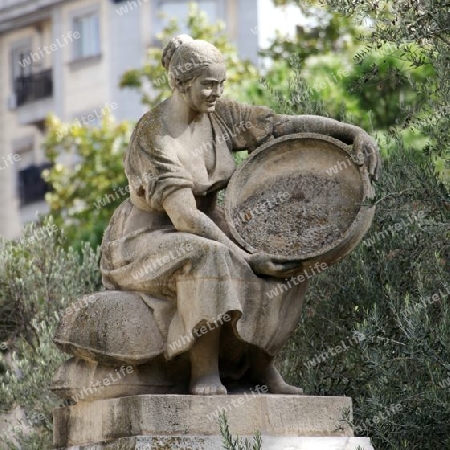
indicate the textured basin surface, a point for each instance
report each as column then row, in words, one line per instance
column 300, row 197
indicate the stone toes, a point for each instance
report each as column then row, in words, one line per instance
column 289, row 390
column 197, row 390
column 221, row 390
column 208, row 389
column 296, row 391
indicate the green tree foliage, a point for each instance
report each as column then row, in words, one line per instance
column 86, row 191
column 381, row 82
column 381, row 102
column 399, row 69
column 369, row 329
column 323, row 31
column 38, row 279
column 419, row 33
column 152, row 79
column 384, row 84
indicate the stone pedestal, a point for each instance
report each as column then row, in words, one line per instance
column 187, row 422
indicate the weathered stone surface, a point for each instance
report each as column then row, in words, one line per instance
column 81, row 380
column 184, row 416
column 110, row 327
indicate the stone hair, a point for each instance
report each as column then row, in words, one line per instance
column 184, row 58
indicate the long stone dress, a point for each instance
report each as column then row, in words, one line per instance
column 187, row 280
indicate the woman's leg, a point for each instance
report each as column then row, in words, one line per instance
column 204, row 356
column 263, row 371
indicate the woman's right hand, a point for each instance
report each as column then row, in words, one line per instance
column 264, row 264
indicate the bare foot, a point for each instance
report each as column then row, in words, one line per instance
column 274, row 381
column 207, row 385
column 204, row 354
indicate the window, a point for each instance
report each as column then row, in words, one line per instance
column 88, row 44
column 29, row 81
column 32, row 187
column 21, row 67
column 21, row 62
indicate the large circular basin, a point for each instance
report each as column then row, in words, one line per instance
column 300, row 198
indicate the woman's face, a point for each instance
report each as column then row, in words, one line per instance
column 204, row 90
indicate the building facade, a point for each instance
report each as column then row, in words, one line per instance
column 66, row 57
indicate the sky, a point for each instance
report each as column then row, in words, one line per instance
column 271, row 18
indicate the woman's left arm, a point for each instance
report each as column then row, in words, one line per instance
column 365, row 147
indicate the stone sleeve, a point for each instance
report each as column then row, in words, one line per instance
column 153, row 170
column 248, row 126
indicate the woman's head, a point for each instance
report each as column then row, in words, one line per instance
column 185, row 58
column 196, row 69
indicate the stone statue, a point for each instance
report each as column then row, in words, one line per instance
column 185, row 306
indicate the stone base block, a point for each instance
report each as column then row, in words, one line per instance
column 215, row 443
column 163, row 422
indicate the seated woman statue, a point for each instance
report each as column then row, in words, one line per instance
column 169, row 241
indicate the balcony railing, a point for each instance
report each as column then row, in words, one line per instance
column 36, row 86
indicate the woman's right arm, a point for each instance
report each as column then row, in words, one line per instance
column 181, row 207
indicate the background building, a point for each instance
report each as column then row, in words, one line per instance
column 66, row 57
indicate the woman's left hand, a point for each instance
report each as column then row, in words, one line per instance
column 366, row 153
